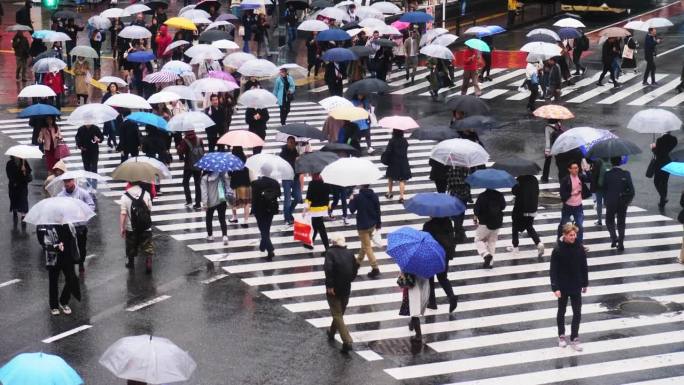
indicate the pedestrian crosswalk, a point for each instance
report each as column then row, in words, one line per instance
column 505, row 83
column 503, row 331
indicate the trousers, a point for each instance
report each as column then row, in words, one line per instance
column 221, row 210
column 619, row 211
column 338, row 305
column 264, row 223
column 485, row 240
column 319, row 228
column 576, row 303
column 577, row 213
column 69, row 281
column 367, row 248
column 196, row 176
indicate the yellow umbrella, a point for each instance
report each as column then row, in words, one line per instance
column 98, row 85
column 181, row 23
column 349, row 113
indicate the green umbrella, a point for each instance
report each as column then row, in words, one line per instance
column 477, row 44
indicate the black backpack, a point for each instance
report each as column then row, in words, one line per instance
column 195, row 153
column 141, row 218
column 269, row 198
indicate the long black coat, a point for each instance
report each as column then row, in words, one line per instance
column 396, row 153
column 257, row 126
column 443, row 231
column 569, row 271
column 129, row 136
column 526, row 194
column 619, row 189
column 18, row 185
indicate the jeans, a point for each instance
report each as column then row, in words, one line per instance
column 319, row 228
column 650, row 69
column 619, row 210
column 366, row 247
column 292, row 195
column 291, row 36
column 339, row 194
column 69, row 281
column 598, row 197
column 221, row 210
column 576, row 303
column 246, row 39
column 196, row 176
column 608, row 68
column 338, row 305
column 264, row 223
column 577, row 212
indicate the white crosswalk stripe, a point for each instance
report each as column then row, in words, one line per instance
column 504, row 329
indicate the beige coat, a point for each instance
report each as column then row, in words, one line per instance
column 81, row 70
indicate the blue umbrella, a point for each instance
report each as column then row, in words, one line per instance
column 568, row 33
column 416, row 252
column 220, row 162
column 478, row 44
column 416, row 17
column 148, row 118
column 491, row 178
column 140, row 56
column 435, row 205
column 495, row 29
column 38, row 368
column 333, row 34
column 674, row 168
column 39, row 110
column 250, row 6
column 41, row 34
column 339, row 54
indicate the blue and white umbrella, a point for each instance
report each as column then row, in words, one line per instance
column 333, row 35
column 416, row 252
column 220, row 162
column 674, row 168
column 491, row 178
column 569, row 33
column 39, row 368
column 148, row 118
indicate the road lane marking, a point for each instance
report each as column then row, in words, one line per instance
column 66, row 334
column 214, row 279
column 369, row 355
column 148, row 303
column 10, row 282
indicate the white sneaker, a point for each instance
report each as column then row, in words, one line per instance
column 371, row 150
column 345, row 220
column 575, row 345
column 188, row 205
column 65, row 309
column 512, row 249
column 540, row 249
column 54, row 311
column 210, row 238
column 562, row 342
column 225, row 240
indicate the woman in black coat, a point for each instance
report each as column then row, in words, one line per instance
column 443, row 231
column 569, row 279
column 395, row 158
column 317, row 198
column 256, row 119
column 19, row 176
column 661, row 152
column 526, row 194
column 240, row 183
column 61, row 251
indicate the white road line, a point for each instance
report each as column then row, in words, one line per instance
column 369, row 355
column 10, row 282
column 213, row 279
column 673, row 101
column 596, row 91
column 627, row 91
column 493, row 93
column 148, row 303
column 649, row 97
column 661, row 381
column 66, row 334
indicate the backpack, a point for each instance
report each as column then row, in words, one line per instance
column 141, row 219
column 584, row 43
column 269, row 198
column 195, row 153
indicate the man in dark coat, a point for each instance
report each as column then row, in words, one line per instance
column 129, row 138
column 488, row 211
column 661, row 151
column 618, row 193
column 526, row 194
column 265, row 194
column 256, row 119
column 580, row 44
column 20, row 45
column 608, row 53
column 443, row 231
column 217, row 113
column 366, row 205
column 88, row 140
column 649, row 54
column 340, row 268
column 333, row 78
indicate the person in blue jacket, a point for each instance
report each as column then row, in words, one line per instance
column 284, row 90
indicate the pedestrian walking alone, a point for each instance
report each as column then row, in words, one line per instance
column 569, row 279
column 629, row 54
column 680, row 87
column 240, row 183
column 135, row 225
column 20, row 45
column 488, row 217
column 526, row 201
column 317, row 199
column 72, row 190
column 652, row 40
column 50, row 137
column 573, row 188
column 470, row 64
column 609, row 52
column 333, row 78
column 552, row 130
column 619, row 192
column 395, row 158
column 458, row 187
column 82, row 73
column 341, row 269
column 313, row 55
column 129, row 137
column 61, row 251
column 218, row 115
column 292, row 189
column 597, row 173
column 265, row 194
column 412, row 50
column 532, row 82
column 192, row 150
column 415, row 297
column 443, row 231
column 216, row 193
column 256, row 119
column 88, row 138
column 579, row 45
column 661, row 153
column 284, row 90
column 18, row 176
column 366, row 205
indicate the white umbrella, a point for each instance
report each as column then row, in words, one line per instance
column 93, row 113
column 257, row 98
column 148, row 359
column 135, row 32
column 334, row 13
column 175, row 44
column 48, row 64
column 312, row 25
column 386, row 7
column 213, row 85
column 259, row 68
column 220, row 23
column 577, row 137
column 658, row 22
column 18, row 27
column 189, row 121
column 569, row 22
column 437, row 51
column 162, row 76
column 56, row 36
column 99, row 22
column 297, row 71
column 36, row 91
column 113, row 79
column 281, row 169
column 542, row 49
column 459, row 153
column 164, row 172
column 347, row 3
column 84, row 51
column 476, row 30
column 131, row 101
column 24, row 151
column 82, row 177
column 371, row 23
column 445, row 40
column 347, row 172
column 163, row 97
column 332, row 102
column 225, row 44
column 355, row 31
column 114, row 13
column 186, row 8
column 364, row 13
column 208, row 51
column 385, row 30
column 544, row 31
column 654, row 121
column 177, row 66
column 236, row 59
column 194, row 13
column 184, row 92
column 431, row 34
column 200, row 20
column 137, row 8
column 637, row 25
column 59, row 211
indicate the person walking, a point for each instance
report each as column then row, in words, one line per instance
column 72, row 190
column 608, row 53
column 284, row 90
column 442, row 231
column 569, row 279
column 526, row 201
column 217, row 114
column 364, row 125
column 333, row 78
column 579, row 45
column 414, row 302
column 261, row 36
column 20, row 45
column 661, row 153
column 55, row 81
column 192, row 150
column 110, row 128
column 555, row 84
column 18, row 176
column 88, row 138
column 240, row 183
column 458, row 187
column 50, row 137
column 249, row 21
column 629, row 58
column 619, row 192
column 317, row 199
column 395, row 158
column 256, row 119
column 341, row 269
column 597, row 173
column 552, row 130
column 438, row 174
column 61, row 250
column 366, row 205
column 512, row 12
column 135, row 225
column 129, row 137
column 291, row 22
column 292, row 190
column 81, row 72
column 652, row 40
column 97, row 37
column 216, row 191
column 532, row 81
column 573, row 188
column 488, row 217
column 486, row 70
column 470, row 64
column 265, row 194
column 313, row 56
column 412, row 50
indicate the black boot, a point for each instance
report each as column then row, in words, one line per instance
column 129, row 264
column 416, row 327
column 453, row 302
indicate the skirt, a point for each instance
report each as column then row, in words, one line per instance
column 243, row 195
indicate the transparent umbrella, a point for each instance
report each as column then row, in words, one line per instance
column 281, row 169
column 59, row 211
column 94, row 113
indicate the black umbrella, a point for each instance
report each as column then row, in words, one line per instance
column 314, row 162
column 320, row 4
column 517, row 166
column 302, row 130
column 366, row 87
column 469, row 104
column 541, row 37
column 297, row 4
column 156, row 4
column 361, row 50
column 476, row 122
column 212, row 35
column 65, row 14
column 340, row 147
column 613, row 147
column 386, row 43
column 206, row 4
column 431, row 133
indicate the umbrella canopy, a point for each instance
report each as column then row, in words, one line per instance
column 569, row 33
column 50, row 64
column 349, row 113
column 93, row 113
column 204, row 51
column 674, row 168
column 157, row 4
column 176, row 44
column 137, row 8
column 340, row 148
column 257, row 98
column 137, row 170
column 542, row 38
column 372, row 23
column 478, row 45
column 459, row 153
column 59, row 211
column 184, row 92
column 113, row 79
column 84, row 51
column 636, row 24
column 491, row 178
column 227, row 17
column 569, row 22
column 38, row 368
column 19, row 27
column 99, row 22
column 148, row 359
column 400, row 25
column 517, row 166
column 657, row 22
column 140, row 57
column 49, row 53
column 280, row 168
column 468, row 103
column 312, row 26
column 403, row 123
column 82, row 177
column 39, row 110
column 436, row 205
column 224, row 44
column 177, row 67
column 541, row 48
column 437, row 51
column 193, row 13
column 220, row 162
column 334, row 13
column 431, row 133
column 190, row 121
column 131, row 101
column 361, row 50
column 347, row 172
column 332, row 102
column 386, row 7
column 431, row 34
column 213, row 85
column 24, row 151
column 333, row 35
column 339, row 55
column 320, row 4
column 577, row 137
column 207, row 4
column 366, row 87
column 148, row 118
column 36, row 91
column 54, row 37
column 162, row 169
column 416, row 17
column 314, row 162
column 295, row 70
column 366, row 12
column 163, row 97
column 162, row 76
column 613, row 147
column 259, row 68
column 237, row 59
column 654, row 121
column 553, row 111
column 242, row 138
column 222, row 75
column 476, row 122
column 445, row 40
column 135, row 32
column 181, row 23
column 416, row 252
column 543, row 31
column 614, row 32
column 114, row 13
column 302, row 130
column 212, row 35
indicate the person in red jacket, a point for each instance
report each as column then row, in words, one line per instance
column 56, row 83
column 472, row 59
column 163, row 40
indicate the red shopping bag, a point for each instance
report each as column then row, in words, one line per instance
column 62, row 150
column 303, row 231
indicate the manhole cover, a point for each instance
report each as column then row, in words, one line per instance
column 645, row 307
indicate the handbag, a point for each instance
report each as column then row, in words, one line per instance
column 651, row 169
column 303, row 231
column 376, row 239
column 62, row 150
column 406, row 281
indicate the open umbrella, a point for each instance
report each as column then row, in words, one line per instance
column 342, row 148
column 242, row 138
column 237, row 59
column 59, row 211
column 163, row 97
column 113, row 79
column 137, row 8
column 674, row 168
column 99, row 22
column 189, row 121
column 312, row 26
column 577, row 137
column 54, row 37
column 636, row 24
column 257, row 98
column 194, row 13
column 400, row 25
column 386, row 7
column 333, row 34
column 517, row 166
column 19, row 27
column 259, row 68
column 553, row 111
column 332, row 102
column 372, row 23
column 613, row 147
column 468, row 103
column 206, row 5
column 131, row 101
column 416, row 252
column 366, row 86
column 314, row 162
column 114, row 13
column 416, row 17
column 339, row 55
column 220, row 162
column 140, row 57
column 138, row 170
column 85, row 179
column 658, row 22
column 148, row 118
column 361, row 50
column 349, row 113
column 148, row 359
column 366, row 12
column 403, row 123
column 320, row 4
column 543, row 49
column 459, row 153
column 50, row 64
column 614, row 32
column 204, row 51
column 569, row 33
column 445, row 40
column 36, row 91
column 334, row 13
column 491, row 178
column 181, row 23
column 224, row 44
column 162, row 169
column 431, row 34
column 39, row 109
column 135, row 32
column 177, row 67
column 434, row 133
column 437, row 51
column 478, row 45
column 302, row 130
column 540, row 37
column 93, row 113
column 184, row 92
column 176, row 44
column 281, row 169
column 84, row 51
column 294, row 70
column 543, row 31
column 213, row 85
column 157, row 4
column 222, row 75
column 347, row 172
column 436, row 205
column 476, row 122
column 38, row 368
column 654, row 121
column 569, row 22
column 24, row 151
column 210, row 36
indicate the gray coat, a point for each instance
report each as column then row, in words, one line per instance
column 210, row 188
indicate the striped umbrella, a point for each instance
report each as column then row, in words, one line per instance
column 162, row 76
